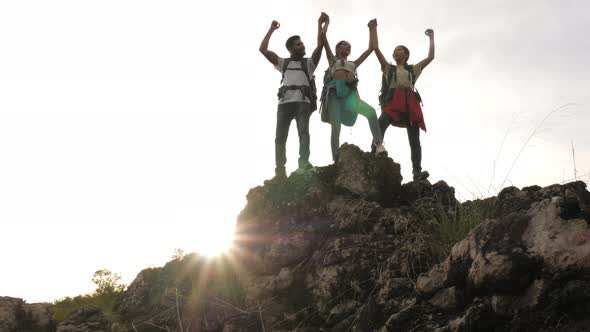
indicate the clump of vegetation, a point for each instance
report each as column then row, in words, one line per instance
column 443, row 226
column 108, row 290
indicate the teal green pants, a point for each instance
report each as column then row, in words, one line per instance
column 344, row 105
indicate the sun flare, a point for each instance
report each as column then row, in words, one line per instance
column 215, row 241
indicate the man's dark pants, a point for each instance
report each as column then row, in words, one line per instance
column 300, row 111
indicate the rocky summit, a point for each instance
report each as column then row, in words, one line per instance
column 348, row 247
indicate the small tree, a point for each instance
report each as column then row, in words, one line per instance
column 178, row 254
column 108, row 290
column 107, row 282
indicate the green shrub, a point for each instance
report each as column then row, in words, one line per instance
column 108, row 290
column 444, row 226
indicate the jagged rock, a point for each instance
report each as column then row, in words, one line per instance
column 301, row 194
column 347, row 248
column 354, row 215
column 480, row 316
column 17, row 316
column 575, row 199
column 40, row 315
column 503, row 304
column 444, row 193
column 511, row 199
column 151, row 299
column 263, row 286
column 289, row 249
column 507, row 260
column 392, row 288
column 447, row 299
column 409, row 312
column 437, row 278
column 135, row 302
column 85, row 319
column 10, row 309
column 282, row 281
column 573, row 297
column 370, row 177
column 533, row 296
column 342, row 311
column 495, row 272
column 494, row 257
column 563, row 244
column 331, row 255
column 415, row 192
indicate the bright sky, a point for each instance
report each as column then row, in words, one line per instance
column 131, row 128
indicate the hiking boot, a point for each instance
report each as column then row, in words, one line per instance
column 304, row 165
column 380, row 150
column 280, row 173
column 420, row 175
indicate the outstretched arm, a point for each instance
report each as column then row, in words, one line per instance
column 372, row 25
column 269, row 55
column 329, row 53
column 375, row 43
column 425, row 62
column 317, row 53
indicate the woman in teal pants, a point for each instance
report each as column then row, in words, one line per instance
column 343, row 102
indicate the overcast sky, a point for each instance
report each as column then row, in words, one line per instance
column 130, row 128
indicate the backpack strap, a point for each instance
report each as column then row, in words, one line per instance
column 392, row 73
column 410, row 70
column 309, row 90
column 303, row 68
column 306, row 90
column 303, row 88
column 331, row 66
column 284, row 69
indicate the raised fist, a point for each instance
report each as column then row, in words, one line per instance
column 274, row 25
column 372, row 23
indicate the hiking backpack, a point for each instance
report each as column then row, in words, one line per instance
column 386, row 92
column 325, row 117
column 309, row 91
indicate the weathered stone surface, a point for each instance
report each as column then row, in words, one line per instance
column 562, row 243
column 437, row 278
column 347, row 248
column 10, row 309
column 86, row 319
column 447, row 299
column 17, row 316
column 370, row 177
